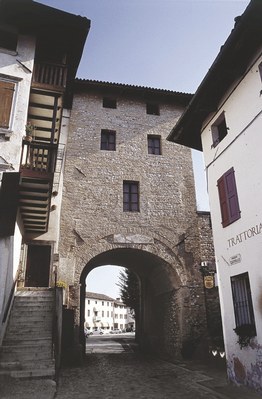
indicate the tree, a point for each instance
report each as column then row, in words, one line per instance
column 129, row 290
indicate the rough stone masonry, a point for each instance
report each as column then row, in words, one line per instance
column 161, row 241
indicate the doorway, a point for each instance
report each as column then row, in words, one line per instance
column 38, row 266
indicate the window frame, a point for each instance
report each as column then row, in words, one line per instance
column 106, row 142
column 10, row 104
column 242, row 300
column 130, row 192
column 156, row 150
column 228, row 198
column 109, row 102
column 219, row 130
column 152, row 108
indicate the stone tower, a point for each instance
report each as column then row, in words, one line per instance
column 129, row 200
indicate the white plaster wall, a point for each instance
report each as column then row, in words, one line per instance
column 240, row 149
column 10, row 68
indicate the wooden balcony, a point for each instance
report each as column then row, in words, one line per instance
column 36, row 178
column 38, row 159
column 49, row 76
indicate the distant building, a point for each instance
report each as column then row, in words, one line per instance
column 225, row 114
column 105, row 313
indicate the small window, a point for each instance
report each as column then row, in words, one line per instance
column 102, row 303
column 108, row 140
column 107, row 313
column 109, row 102
column 6, row 99
column 130, row 196
column 88, row 301
column 103, row 313
column 88, row 313
column 107, row 303
column 242, row 300
column 8, row 40
column 219, row 130
column 228, row 198
column 152, row 109
column 153, row 143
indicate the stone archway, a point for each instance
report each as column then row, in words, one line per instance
column 168, row 292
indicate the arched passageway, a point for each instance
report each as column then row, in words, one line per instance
column 165, row 298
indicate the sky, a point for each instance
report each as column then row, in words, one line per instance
column 166, row 44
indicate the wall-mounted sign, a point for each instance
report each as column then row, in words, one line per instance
column 209, row 282
column 235, row 259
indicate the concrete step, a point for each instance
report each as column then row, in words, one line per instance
column 27, row 358
column 30, row 319
column 30, row 342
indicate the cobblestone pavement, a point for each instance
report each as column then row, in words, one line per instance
column 113, row 368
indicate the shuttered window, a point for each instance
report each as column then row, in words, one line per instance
column 108, row 140
column 242, row 300
column 153, row 144
column 6, row 99
column 130, row 196
column 228, row 198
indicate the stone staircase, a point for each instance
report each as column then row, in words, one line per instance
column 27, row 348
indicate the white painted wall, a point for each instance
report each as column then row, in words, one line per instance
column 241, row 149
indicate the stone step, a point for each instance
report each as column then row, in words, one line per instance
column 27, row 341
column 30, row 373
column 10, row 365
column 27, row 358
column 33, row 318
column 28, row 345
column 28, row 333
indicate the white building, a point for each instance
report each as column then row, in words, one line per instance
column 225, row 115
column 40, row 50
column 106, row 314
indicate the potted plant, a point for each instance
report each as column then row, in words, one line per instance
column 29, row 131
column 245, row 333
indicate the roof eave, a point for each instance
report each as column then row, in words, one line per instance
column 231, row 62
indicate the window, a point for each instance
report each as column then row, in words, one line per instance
column 152, row 109
column 125, row 316
column 108, row 140
column 107, row 313
column 88, row 301
column 109, row 102
column 121, row 316
column 116, row 316
column 107, row 303
column 130, row 196
column 219, row 130
column 153, row 143
column 88, row 313
column 6, row 99
column 103, row 313
column 228, row 198
column 242, row 300
column 8, row 40
column 102, row 303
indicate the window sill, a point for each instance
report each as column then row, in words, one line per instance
column 5, row 133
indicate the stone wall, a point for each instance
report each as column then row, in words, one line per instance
column 162, row 241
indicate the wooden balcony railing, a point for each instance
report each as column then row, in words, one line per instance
column 50, row 74
column 38, row 158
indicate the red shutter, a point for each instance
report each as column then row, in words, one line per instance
column 6, row 99
column 233, row 206
column 223, row 201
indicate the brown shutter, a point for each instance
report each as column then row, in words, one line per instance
column 233, row 206
column 223, row 201
column 6, row 99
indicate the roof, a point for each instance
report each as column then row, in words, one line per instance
column 102, row 297
column 133, row 90
column 229, row 66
